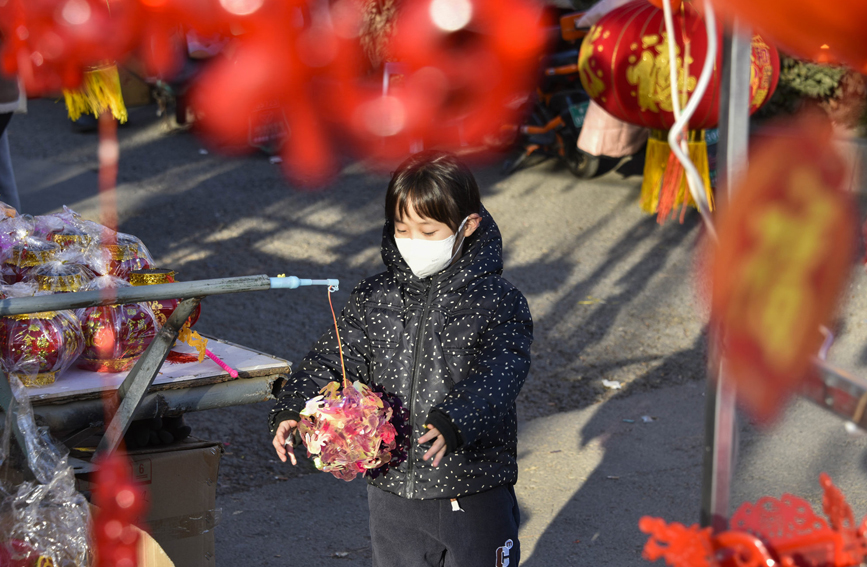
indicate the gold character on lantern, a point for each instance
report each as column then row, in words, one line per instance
column 651, row 75
column 592, row 83
column 761, row 71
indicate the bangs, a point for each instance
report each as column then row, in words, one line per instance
column 427, row 198
column 436, row 185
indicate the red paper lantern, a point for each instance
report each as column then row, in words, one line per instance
column 813, row 29
column 36, row 347
column 624, row 66
column 162, row 308
column 116, row 335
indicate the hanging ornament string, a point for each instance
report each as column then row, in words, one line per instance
column 675, row 139
column 337, row 332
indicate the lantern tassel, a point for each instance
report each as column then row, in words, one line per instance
column 671, row 190
column 99, row 93
column 665, row 187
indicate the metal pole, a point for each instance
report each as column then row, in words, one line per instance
column 720, row 395
column 134, row 387
column 200, row 288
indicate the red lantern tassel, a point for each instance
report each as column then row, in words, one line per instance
column 664, row 187
column 671, row 182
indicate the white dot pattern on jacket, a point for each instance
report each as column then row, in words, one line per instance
column 458, row 342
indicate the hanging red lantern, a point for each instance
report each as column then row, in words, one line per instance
column 624, row 66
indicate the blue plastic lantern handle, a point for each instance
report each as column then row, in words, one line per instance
column 291, row 282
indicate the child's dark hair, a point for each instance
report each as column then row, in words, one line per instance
column 439, row 186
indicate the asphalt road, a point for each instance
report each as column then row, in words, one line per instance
column 612, row 297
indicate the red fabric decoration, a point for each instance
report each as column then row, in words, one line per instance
column 786, row 243
column 461, row 64
column 282, row 63
column 813, row 29
column 50, row 44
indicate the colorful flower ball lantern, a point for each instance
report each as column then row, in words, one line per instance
column 624, row 66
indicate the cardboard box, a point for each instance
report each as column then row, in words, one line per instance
column 180, row 483
column 135, row 91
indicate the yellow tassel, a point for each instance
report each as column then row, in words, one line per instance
column 655, row 163
column 99, row 93
column 194, row 339
column 654, row 169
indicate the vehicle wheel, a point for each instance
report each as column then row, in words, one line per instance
column 581, row 164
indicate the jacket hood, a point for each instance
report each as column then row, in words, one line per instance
column 482, row 255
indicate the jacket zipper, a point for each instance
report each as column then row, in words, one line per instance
column 410, row 485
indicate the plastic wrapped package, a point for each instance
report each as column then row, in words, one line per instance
column 37, row 347
column 66, row 272
column 14, row 232
column 45, row 226
column 116, row 335
column 7, row 210
column 46, row 519
column 163, row 308
column 70, row 230
column 26, row 255
column 118, row 255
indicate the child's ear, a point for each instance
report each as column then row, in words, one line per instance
column 473, row 222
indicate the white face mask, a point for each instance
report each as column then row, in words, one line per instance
column 427, row 257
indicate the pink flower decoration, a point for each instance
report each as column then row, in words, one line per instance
column 348, row 432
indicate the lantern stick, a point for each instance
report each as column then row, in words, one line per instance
column 675, row 138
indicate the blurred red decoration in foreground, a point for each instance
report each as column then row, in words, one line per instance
column 294, row 66
column 772, row 531
column 813, row 29
column 277, row 66
column 120, row 504
column 623, row 64
column 50, row 44
column 466, row 63
column 786, row 246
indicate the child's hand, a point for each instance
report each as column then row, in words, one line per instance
column 284, row 433
column 438, row 449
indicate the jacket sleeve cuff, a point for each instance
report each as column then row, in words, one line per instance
column 447, row 429
column 279, row 415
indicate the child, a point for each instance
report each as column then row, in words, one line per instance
column 444, row 332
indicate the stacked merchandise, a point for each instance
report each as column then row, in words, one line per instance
column 60, row 253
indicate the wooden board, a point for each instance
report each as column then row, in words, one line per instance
column 77, row 384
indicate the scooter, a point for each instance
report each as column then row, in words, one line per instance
column 555, row 113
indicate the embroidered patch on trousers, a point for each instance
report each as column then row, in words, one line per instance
column 503, row 554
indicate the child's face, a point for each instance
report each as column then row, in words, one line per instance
column 419, row 228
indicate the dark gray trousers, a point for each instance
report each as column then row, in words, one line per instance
column 430, row 533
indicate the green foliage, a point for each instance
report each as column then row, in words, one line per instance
column 800, row 80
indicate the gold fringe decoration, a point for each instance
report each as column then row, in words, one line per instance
column 99, row 93
column 656, row 161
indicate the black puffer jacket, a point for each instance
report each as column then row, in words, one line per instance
column 457, row 343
